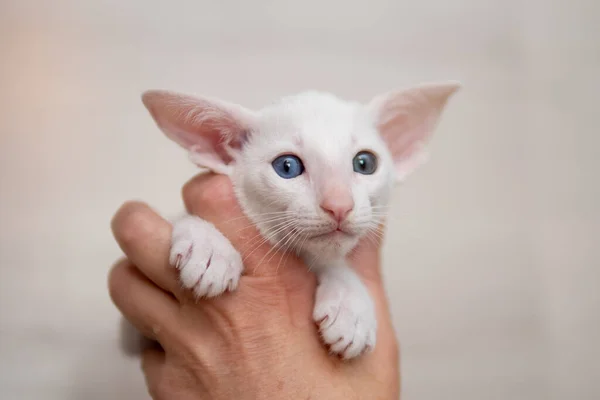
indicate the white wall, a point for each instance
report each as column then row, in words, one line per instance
column 492, row 257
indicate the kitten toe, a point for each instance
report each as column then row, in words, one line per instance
column 207, row 262
column 346, row 320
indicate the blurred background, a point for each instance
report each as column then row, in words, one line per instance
column 492, row 258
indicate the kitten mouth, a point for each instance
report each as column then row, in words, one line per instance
column 334, row 233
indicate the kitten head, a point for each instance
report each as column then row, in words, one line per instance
column 312, row 171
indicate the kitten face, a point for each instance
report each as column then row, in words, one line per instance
column 312, row 172
column 325, row 134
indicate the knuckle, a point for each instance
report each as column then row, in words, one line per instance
column 130, row 223
column 218, row 192
column 211, row 192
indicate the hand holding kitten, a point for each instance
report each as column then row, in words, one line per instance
column 314, row 174
column 256, row 342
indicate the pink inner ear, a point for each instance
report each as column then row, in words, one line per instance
column 403, row 132
column 406, row 120
column 208, row 128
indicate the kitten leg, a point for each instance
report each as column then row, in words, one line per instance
column 207, row 262
column 344, row 312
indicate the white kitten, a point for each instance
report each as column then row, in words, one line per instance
column 314, row 174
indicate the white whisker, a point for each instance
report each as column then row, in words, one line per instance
column 274, row 248
column 271, row 229
column 270, row 235
column 253, row 216
column 285, row 256
column 271, row 220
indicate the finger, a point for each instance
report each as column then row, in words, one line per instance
column 366, row 257
column 133, row 341
column 151, row 310
column 212, row 198
column 153, row 367
column 145, row 237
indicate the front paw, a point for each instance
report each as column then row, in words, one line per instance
column 207, row 262
column 346, row 320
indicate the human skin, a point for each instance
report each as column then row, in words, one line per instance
column 257, row 342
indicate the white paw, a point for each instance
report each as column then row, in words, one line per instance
column 346, row 319
column 206, row 260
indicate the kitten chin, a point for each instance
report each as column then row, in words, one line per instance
column 329, row 249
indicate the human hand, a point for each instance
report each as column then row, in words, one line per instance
column 258, row 342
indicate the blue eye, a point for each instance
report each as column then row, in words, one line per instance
column 288, row 166
column 365, row 163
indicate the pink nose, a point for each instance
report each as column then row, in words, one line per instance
column 338, row 207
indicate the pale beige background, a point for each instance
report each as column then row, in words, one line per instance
column 492, row 257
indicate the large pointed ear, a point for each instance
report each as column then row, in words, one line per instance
column 407, row 118
column 212, row 130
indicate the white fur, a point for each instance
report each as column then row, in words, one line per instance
column 325, row 133
column 207, row 262
column 344, row 311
